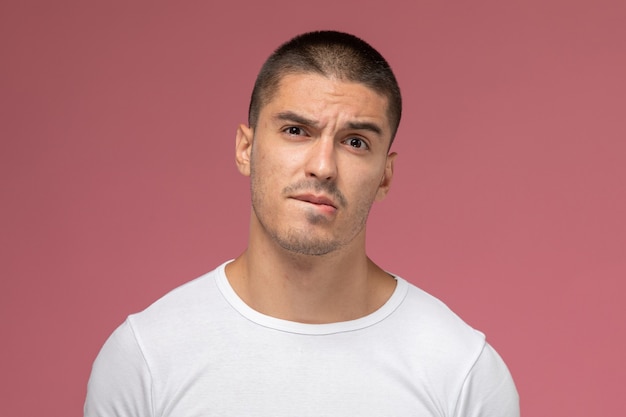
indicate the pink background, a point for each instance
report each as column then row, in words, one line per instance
column 118, row 181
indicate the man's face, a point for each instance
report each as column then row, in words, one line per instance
column 317, row 161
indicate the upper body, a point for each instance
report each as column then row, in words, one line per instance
column 323, row 115
column 202, row 351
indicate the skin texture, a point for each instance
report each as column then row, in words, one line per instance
column 317, row 160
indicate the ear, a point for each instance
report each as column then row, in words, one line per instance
column 385, row 182
column 243, row 148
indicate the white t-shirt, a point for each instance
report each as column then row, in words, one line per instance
column 201, row 351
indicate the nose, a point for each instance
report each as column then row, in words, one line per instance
column 321, row 162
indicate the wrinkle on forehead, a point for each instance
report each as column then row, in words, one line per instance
column 330, row 104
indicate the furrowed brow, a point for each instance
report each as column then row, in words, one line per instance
column 289, row 116
column 372, row 127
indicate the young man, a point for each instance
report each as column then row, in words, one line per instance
column 303, row 323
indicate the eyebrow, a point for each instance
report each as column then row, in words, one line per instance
column 290, row 116
column 372, row 127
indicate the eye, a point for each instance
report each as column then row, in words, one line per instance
column 294, row 131
column 357, row 143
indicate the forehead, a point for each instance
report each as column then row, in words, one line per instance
column 321, row 96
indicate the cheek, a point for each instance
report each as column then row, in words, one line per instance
column 369, row 178
column 365, row 187
column 272, row 155
column 270, row 169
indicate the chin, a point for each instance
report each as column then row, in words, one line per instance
column 308, row 246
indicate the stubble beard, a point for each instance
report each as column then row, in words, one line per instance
column 300, row 241
column 293, row 239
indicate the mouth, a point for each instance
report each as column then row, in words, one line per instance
column 318, row 200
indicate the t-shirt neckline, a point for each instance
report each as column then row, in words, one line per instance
column 264, row 320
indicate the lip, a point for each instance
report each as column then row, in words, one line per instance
column 320, row 200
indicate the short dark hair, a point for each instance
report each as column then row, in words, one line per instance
column 328, row 53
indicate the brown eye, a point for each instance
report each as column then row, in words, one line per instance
column 294, row 130
column 357, row 143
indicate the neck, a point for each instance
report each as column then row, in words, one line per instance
column 339, row 286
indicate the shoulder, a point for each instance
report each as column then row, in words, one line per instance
column 180, row 314
column 438, row 342
column 188, row 299
column 446, row 348
column 488, row 387
column 140, row 350
column 427, row 317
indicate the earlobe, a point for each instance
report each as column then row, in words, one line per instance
column 243, row 148
column 385, row 182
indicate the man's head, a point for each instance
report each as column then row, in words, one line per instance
column 331, row 54
column 324, row 111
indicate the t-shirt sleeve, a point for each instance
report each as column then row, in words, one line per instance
column 120, row 383
column 488, row 390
